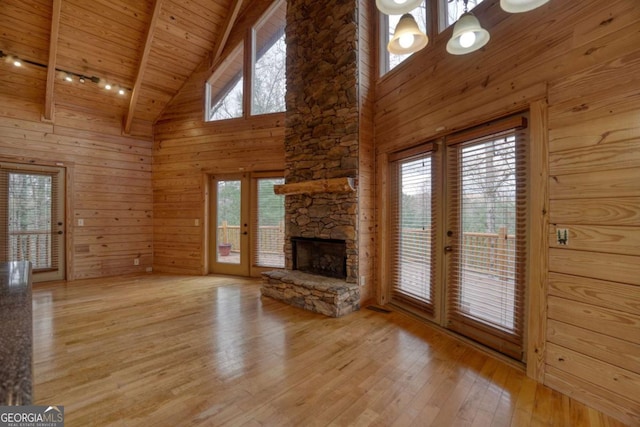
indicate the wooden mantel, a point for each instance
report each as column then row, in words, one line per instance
column 332, row 185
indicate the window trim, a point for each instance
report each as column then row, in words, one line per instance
column 224, row 91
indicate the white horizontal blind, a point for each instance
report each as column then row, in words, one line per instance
column 269, row 227
column 413, row 219
column 487, row 229
column 29, row 206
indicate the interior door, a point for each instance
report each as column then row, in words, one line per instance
column 32, row 217
column 229, row 225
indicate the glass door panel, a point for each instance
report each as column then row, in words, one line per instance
column 268, row 224
column 228, row 221
column 412, row 217
column 486, row 232
column 230, row 225
column 32, row 216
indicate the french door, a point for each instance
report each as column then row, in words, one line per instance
column 246, row 224
column 459, row 214
column 32, row 218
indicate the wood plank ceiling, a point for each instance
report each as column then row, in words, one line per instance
column 147, row 47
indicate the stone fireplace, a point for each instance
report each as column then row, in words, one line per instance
column 326, row 257
column 321, row 153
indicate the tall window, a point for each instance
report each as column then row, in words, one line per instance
column 266, row 73
column 269, row 65
column 388, row 27
column 225, row 89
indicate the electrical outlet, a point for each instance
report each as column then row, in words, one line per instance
column 80, row 222
column 136, row 261
column 362, row 280
column 196, row 222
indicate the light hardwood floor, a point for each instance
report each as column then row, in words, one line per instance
column 161, row 350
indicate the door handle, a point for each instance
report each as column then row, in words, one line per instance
column 245, row 233
column 60, row 232
column 448, row 249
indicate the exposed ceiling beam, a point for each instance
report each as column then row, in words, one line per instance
column 234, row 10
column 135, row 92
column 53, row 52
column 228, row 26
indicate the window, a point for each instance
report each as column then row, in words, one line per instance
column 452, row 10
column 224, row 89
column 269, row 64
column 448, row 13
column 266, row 74
column 388, row 27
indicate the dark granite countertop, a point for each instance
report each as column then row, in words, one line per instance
column 16, row 334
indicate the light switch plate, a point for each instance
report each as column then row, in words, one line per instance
column 562, row 236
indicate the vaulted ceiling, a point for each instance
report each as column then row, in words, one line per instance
column 147, row 47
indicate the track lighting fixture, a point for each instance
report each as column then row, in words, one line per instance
column 68, row 76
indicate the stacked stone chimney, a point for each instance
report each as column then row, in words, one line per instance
column 322, row 132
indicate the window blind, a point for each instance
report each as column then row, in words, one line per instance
column 413, row 215
column 487, row 237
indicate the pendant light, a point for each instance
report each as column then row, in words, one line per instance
column 468, row 36
column 518, row 6
column 397, row 7
column 407, row 38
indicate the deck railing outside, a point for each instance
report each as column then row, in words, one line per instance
column 484, row 252
column 270, row 237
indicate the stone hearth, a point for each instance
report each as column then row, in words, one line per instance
column 329, row 296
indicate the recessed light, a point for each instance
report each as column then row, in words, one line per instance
column 17, row 63
column 107, row 86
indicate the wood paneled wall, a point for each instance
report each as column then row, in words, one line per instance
column 366, row 157
column 185, row 152
column 109, row 184
column 583, row 58
column 187, row 149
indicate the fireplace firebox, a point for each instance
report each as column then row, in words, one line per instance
column 325, row 257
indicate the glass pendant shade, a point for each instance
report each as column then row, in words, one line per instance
column 407, row 38
column 397, row 7
column 468, row 36
column 517, row 6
